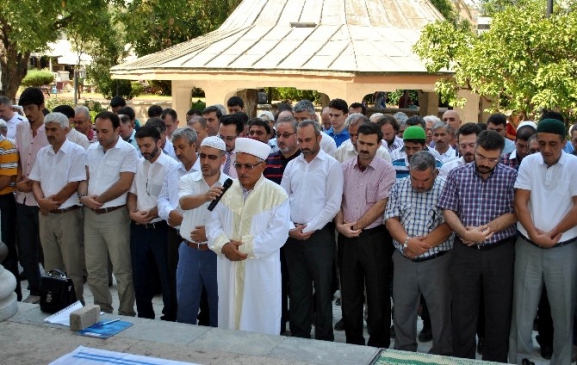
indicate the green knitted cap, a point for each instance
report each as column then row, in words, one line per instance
column 552, row 126
column 414, row 132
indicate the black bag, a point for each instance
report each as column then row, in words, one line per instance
column 57, row 291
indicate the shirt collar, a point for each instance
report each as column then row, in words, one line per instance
column 513, row 155
column 321, row 155
column 65, row 148
column 372, row 165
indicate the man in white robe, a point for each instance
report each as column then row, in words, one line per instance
column 247, row 229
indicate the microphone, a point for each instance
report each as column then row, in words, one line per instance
column 225, row 186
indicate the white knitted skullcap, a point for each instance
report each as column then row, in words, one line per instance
column 214, row 142
column 252, row 147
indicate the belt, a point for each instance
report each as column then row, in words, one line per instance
column 60, row 211
column 427, row 258
column 489, row 246
column 560, row 244
column 377, row 229
column 107, row 210
column 153, row 225
column 198, row 246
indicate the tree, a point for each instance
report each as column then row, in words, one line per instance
column 525, row 62
column 29, row 25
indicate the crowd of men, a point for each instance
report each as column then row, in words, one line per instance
column 251, row 224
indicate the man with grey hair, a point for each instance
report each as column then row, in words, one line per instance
column 185, row 145
column 401, row 118
column 12, row 119
column 326, row 119
column 83, row 124
column 430, row 121
column 422, row 240
column 306, row 111
column 199, row 125
column 443, row 136
column 375, row 117
column 348, row 149
column 314, row 183
column 57, row 172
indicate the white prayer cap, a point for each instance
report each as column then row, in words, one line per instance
column 214, row 142
column 252, row 147
column 527, row 122
column 267, row 114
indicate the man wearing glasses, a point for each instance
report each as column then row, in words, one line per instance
column 231, row 127
column 148, row 231
column 478, row 205
column 246, row 230
column 197, row 263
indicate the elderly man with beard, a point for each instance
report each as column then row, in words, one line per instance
column 246, row 230
column 148, row 231
column 197, row 263
column 348, row 150
column 477, row 202
column 467, row 142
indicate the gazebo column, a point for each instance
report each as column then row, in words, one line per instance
column 181, row 99
column 470, row 111
column 428, row 103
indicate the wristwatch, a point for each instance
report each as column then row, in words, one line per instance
column 406, row 243
column 80, row 196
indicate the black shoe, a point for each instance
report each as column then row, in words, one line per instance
column 393, row 331
column 426, row 335
column 480, row 346
column 546, row 349
column 340, row 325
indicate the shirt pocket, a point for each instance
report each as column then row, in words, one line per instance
column 112, row 167
column 434, row 217
column 372, row 194
column 406, row 213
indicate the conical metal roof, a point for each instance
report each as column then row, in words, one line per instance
column 281, row 36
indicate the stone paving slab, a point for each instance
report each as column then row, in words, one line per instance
column 238, row 342
column 323, row 352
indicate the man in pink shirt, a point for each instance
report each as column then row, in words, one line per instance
column 30, row 138
column 364, row 243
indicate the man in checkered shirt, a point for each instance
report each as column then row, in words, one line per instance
column 423, row 241
column 478, row 205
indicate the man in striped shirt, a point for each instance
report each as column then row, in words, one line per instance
column 414, row 141
column 8, row 172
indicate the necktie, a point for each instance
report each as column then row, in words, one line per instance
column 227, row 164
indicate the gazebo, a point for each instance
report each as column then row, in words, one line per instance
column 343, row 49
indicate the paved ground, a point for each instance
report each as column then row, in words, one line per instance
column 339, row 335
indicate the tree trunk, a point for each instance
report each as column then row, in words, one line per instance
column 13, row 68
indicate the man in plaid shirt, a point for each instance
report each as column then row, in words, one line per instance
column 421, row 262
column 478, row 205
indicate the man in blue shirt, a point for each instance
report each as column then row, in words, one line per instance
column 338, row 113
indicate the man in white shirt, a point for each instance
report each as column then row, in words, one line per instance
column 390, row 128
column 185, row 146
column 348, row 149
column 127, row 131
column 56, row 174
column 149, row 232
column 442, row 135
column 111, row 168
column 197, row 263
column 546, row 206
column 73, row 135
column 314, row 183
column 467, row 142
column 9, row 116
column 165, row 143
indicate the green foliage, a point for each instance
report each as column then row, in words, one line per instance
column 29, row 25
column 198, row 105
column 153, row 25
column 37, row 78
column 137, row 88
column 54, row 101
column 393, row 97
column 290, row 93
column 525, row 62
column 447, row 9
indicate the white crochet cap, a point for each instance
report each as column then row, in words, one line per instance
column 252, row 147
column 268, row 114
column 527, row 122
column 214, row 142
